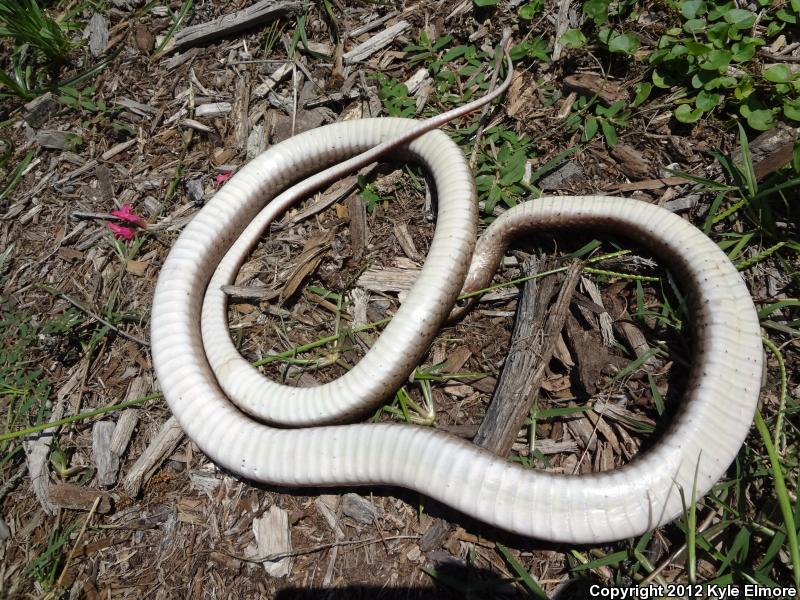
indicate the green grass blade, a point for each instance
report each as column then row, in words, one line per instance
column 17, row 175
column 534, row 588
column 782, row 495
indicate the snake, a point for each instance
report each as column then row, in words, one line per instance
column 286, row 436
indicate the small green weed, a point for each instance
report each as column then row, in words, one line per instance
column 24, row 388
column 592, row 117
column 81, row 99
column 46, row 567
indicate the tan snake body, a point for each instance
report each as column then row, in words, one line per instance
column 202, row 375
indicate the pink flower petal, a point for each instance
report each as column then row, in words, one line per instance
column 125, row 233
column 223, row 177
column 125, row 213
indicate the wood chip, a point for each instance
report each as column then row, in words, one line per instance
column 55, row 140
column 273, row 536
column 582, row 429
column 605, row 430
column 136, row 267
column 377, row 42
column 406, row 241
column 307, row 262
column 241, row 119
column 247, row 292
column 631, row 161
column 97, row 34
column 563, row 175
column 357, row 212
column 38, row 449
column 648, row 184
column 124, row 430
column 143, row 110
column 388, row 279
column 360, row 509
column 562, row 24
column 606, row 322
column 75, row 497
column 162, row 445
column 144, row 38
column 326, row 505
column 191, row 511
column 105, row 461
column 264, row 88
column 196, row 125
column 589, row 84
column 121, row 147
column 548, row 446
column 213, row 109
column 182, row 58
column 38, row 110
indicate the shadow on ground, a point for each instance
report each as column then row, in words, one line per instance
column 452, row 581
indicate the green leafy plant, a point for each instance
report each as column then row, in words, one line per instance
column 25, row 21
column 75, row 98
column 36, row 36
column 393, row 94
column 594, row 118
column 709, row 54
column 501, row 162
column 534, row 47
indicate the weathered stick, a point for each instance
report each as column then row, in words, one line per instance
column 532, row 345
column 258, row 13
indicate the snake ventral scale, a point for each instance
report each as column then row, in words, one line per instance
column 287, row 436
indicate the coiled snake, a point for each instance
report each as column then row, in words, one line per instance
column 202, row 375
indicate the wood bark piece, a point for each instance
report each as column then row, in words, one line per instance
column 161, row 446
column 377, row 42
column 213, row 109
column 123, row 431
column 649, row 184
column 75, row 497
column 116, row 149
column 388, row 279
column 406, row 242
column 335, row 193
column 273, row 537
column 562, row 24
column 257, row 14
column 606, row 322
column 38, row 110
column 241, row 112
column 633, row 336
column 307, row 262
column 360, row 509
column 358, row 226
column 107, row 464
column 56, row 140
column 248, row 292
column 532, row 344
column 97, row 33
column 589, row 84
column 630, row 161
